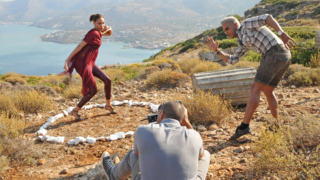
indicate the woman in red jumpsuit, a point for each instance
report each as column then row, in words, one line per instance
column 83, row 59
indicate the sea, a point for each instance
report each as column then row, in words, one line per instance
column 22, row 51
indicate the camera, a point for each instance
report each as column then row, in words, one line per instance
column 154, row 117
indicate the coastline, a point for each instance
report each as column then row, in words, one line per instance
column 42, row 58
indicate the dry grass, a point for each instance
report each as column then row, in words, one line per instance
column 170, row 61
column 73, row 91
column 144, row 73
column 12, row 74
column 14, row 102
column 205, row 108
column 4, row 163
column 53, row 80
column 302, row 76
column 58, row 89
column 243, row 64
column 20, row 151
column 16, row 80
column 303, row 22
column 115, row 74
column 195, row 65
column 290, row 151
column 11, row 126
column 167, row 78
column 11, row 146
column 315, row 61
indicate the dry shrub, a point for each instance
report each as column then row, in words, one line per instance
column 144, row 73
column 73, row 91
column 170, row 61
column 167, row 78
column 53, row 80
column 16, row 80
column 195, row 65
column 240, row 64
column 11, row 126
column 302, row 76
column 4, row 163
column 12, row 74
column 19, row 150
column 315, row 60
column 58, row 89
column 290, row 150
column 11, row 146
column 205, row 108
column 115, row 74
column 152, row 69
column 14, row 102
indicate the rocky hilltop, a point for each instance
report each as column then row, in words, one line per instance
column 288, row 10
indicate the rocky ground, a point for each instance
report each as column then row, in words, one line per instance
column 230, row 159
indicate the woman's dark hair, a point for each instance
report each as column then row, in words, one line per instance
column 95, row 17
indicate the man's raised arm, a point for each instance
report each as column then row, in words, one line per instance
column 284, row 36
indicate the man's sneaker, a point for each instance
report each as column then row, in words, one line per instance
column 106, row 163
column 240, row 133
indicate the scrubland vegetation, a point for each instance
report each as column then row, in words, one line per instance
column 291, row 149
column 287, row 147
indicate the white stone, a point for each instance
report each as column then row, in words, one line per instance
column 135, row 103
column 79, row 140
column 65, row 113
column 71, row 142
column 70, row 109
column 51, row 119
column 59, row 139
column 42, row 132
column 116, row 103
column 61, row 115
column 113, row 137
column 129, row 134
column 91, row 140
column 120, row 135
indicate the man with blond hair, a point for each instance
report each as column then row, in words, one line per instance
column 276, row 58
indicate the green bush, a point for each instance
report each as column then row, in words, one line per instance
column 304, row 32
column 317, row 10
column 228, row 43
column 293, row 13
column 252, row 56
column 255, row 10
column 303, row 50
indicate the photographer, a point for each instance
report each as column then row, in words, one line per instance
column 163, row 151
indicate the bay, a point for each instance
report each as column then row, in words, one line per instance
column 22, row 51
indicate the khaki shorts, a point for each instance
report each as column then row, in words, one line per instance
column 273, row 65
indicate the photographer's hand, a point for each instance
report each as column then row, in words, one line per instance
column 185, row 121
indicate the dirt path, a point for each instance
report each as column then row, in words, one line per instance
column 228, row 158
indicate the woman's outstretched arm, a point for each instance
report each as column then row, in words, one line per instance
column 74, row 52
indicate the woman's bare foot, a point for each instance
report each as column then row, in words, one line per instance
column 76, row 115
column 109, row 108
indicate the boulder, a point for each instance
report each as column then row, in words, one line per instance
column 165, row 65
column 44, row 89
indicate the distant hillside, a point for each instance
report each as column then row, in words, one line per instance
column 146, row 11
column 33, row 10
column 300, row 19
column 289, row 12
